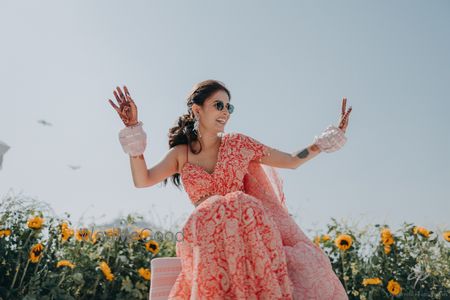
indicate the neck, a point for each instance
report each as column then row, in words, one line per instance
column 209, row 139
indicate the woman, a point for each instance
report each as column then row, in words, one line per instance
column 240, row 241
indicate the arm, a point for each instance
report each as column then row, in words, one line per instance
column 166, row 167
column 330, row 140
column 280, row 159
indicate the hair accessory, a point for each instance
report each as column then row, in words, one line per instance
column 331, row 139
column 133, row 139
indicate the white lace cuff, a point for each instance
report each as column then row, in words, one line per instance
column 332, row 139
column 133, row 139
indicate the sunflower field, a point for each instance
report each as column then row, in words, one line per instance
column 43, row 256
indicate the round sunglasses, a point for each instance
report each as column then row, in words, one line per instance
column 219, row 106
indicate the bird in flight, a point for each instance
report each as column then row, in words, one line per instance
column 74, row 167
column 45, row 123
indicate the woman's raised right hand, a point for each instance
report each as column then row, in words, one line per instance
column 127, row 109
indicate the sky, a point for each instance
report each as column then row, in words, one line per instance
column 287, row 64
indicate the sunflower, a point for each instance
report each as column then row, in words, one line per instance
column 35, row 222
column 145, row 273
column 394, row 287
column 321, row 239
column 66, row 232
column 83, row 234
column 152, row 246
column 36, row 252
column 421, row 230
column 112, row 231
column 141, row 233
column 64, row 225
column 386, row 237
column 5, row 232
column 106, row 271
column 65, row 263
column 317, row 240
column 446, row 235
column 371, row 281
column 387, row 249
column 343, row 241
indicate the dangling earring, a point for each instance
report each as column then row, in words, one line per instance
column 196, row 125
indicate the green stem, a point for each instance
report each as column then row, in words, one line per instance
column 343, row 270
column 95, row 286
column 77, row 292
column 19, row 260
column 62, row 279
column 24, row 273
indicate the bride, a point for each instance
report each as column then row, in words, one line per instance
column 240, row 241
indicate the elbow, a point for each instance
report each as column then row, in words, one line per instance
column 295, row 163
column 143, row 185
column 139, row 185
column 141, row 181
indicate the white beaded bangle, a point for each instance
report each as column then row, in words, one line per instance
column 133, row 139
column 332, row 139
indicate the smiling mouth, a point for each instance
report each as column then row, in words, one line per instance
column 222, row 122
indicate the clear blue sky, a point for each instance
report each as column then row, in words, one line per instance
column 288, row 64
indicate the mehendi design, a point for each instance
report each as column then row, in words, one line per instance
column 314, row 148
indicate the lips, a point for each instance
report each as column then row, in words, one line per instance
column 221, row 121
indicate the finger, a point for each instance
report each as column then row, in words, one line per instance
column 114, row 105
column 129, row 98
column 344, row 103
column 348, row 112
column 126, row 90
column 346, row 122
column 117, row 97
column 127, row 94
column 121, row 94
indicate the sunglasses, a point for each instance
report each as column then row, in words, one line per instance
column 219, row 106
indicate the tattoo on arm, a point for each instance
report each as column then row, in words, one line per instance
column 303, row 154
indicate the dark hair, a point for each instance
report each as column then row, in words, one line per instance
column 183, row 131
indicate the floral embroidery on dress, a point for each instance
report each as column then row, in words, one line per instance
column 241, row 243
column 235, row 153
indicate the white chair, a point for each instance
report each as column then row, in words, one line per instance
column 164, row 273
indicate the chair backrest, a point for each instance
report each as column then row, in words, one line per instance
column 164, row 273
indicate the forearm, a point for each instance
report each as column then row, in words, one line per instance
column 302, row 156
column 139, row 170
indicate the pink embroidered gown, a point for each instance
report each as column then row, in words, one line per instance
column 241, row 242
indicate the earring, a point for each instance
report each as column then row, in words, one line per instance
column 196, row 125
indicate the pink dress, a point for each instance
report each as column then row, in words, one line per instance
column 241, row 242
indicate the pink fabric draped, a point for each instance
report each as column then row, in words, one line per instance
column 309, row 267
